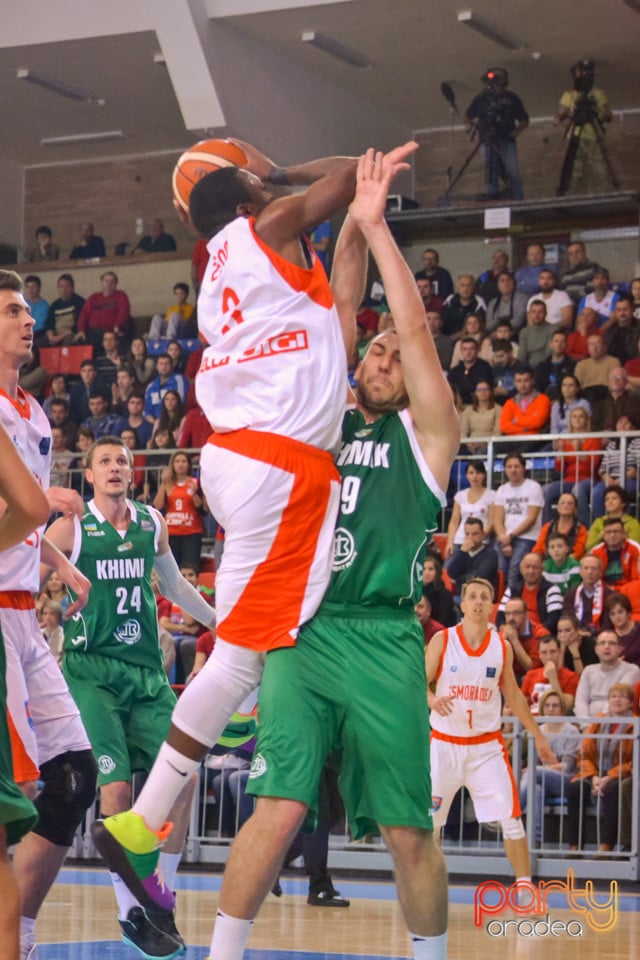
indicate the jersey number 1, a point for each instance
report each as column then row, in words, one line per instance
column 470, row 718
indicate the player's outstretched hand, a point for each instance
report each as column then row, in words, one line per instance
column 375, row 172
column 259, row 163
column 65, row 501
column 441, row 705
column 544, row 749
column 77, row 582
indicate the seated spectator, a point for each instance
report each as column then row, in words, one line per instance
column 165, row 380
column 196, row 430
column 135, row 421
column 58, row 390
column 62, row 321
column 543, row 600
column 605, row 761
column 109, row 309
column 593, row 373
column 171, row 415
column 204, row 648
column 578, row 467
column 627, row 630
column 481, row 419
column 587, row 599
column 516, row 518
column 565, row 522
column 424, row 614
column 56, row 590
column 459, row 305
column 38, row 306
column 80, row 392
column 139, row 489
column 528, row 276
column 138, row 360
column 550, row 372
column 577, row 645
column 601, row 299
column 610, row 469
column 597, row 679
column 440, row 277
column 78, row 466
column 550, row 677
column 182, row 501
column 474, row 328
column 620, row 557
column 507, row 305
column 504, row 331
column 59, row 417
column 156, row 241
column 552, row 779
column 618, row 401
column 621, row 336
column 443, row 343
column 125, row 387
column 523, row 635
column 577, row 279
column 179, row 313
column 504, row 370
column 178, row 356
column 632, row 369
column 535, row 338
column 44, row 247
column 61, row 457
column 100, row 421
column 436, row 592
column 182, row 627
column 91, row 247
column 469, row 371
column 570, row 398
column 559, row 566
column 474, row 501
column 430, row 299
column 474, row 558
column 52, row 629
column 527, row 413
column 108, row 360
column 577, row 341
column 558, row 303
column 487, row 285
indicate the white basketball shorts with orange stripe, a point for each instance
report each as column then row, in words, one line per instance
column 277, row 500
column 483, row 768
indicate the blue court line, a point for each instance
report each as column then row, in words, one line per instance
column 352, row 889
column 114, row 950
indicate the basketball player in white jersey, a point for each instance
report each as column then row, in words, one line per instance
column 273, row 385
column 471, row 668
column 49, row 735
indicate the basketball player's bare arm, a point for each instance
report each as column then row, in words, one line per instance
column 426, row 386
column 23, row 506
column 348, row 279
column 433, row 656
column 516, row 701
column 302, row 174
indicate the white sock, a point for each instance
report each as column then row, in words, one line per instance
column 27, row 934
column 124, row 897
column 169, row 863
column 229, row 937
column 524, row 897
column 428, row 948
column 164, row 785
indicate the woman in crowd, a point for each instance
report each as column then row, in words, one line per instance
column 569, row 399
column 476, row 327
column 139, row 486
column 577, row 467
column 611, row 466
column 605, row 761
column 180, row 498
column 552, row 779
column 615, row 505
column 140, row 362
column 58, row 391
column 435, row 590
column 171, row 415
column 566, row 522
column 474, row 501
column 577, row 644
column 618, row 607
column 481, row 419
column 635, row 293
column 178, row 356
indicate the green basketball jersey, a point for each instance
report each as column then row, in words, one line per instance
column 390, row 504
column 120, row 619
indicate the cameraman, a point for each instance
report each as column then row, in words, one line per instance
column 587, row 110
column 499, row 117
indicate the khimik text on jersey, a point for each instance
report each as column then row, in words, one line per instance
column 364, row 453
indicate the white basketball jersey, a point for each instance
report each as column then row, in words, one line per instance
column 472, row 678
column 27, row 425
column 276, row 359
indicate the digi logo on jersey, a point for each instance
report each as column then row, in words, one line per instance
column 344, row 549
column 128, row 632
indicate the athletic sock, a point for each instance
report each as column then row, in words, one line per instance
column 169, row 863
column 524, row 897
column 125, row 899
column 164, row 785
column 27, row 934
column 229, row 937
column 429, row 948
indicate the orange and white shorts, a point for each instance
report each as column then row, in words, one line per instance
column 45, row 719
column 483, row 768
column 277, row 500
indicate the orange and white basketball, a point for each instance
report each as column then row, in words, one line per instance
column 202, row 158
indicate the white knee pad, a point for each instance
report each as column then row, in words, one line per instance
column 227, row 678
column 512, row 828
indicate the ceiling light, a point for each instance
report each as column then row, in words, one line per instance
column 98, row 136
column 488, row 30
column 335, row 49
column 56, row 86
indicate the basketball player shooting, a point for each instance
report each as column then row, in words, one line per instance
column 273, row 385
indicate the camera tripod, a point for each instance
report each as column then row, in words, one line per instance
column 575, row 130
column 494, row 164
